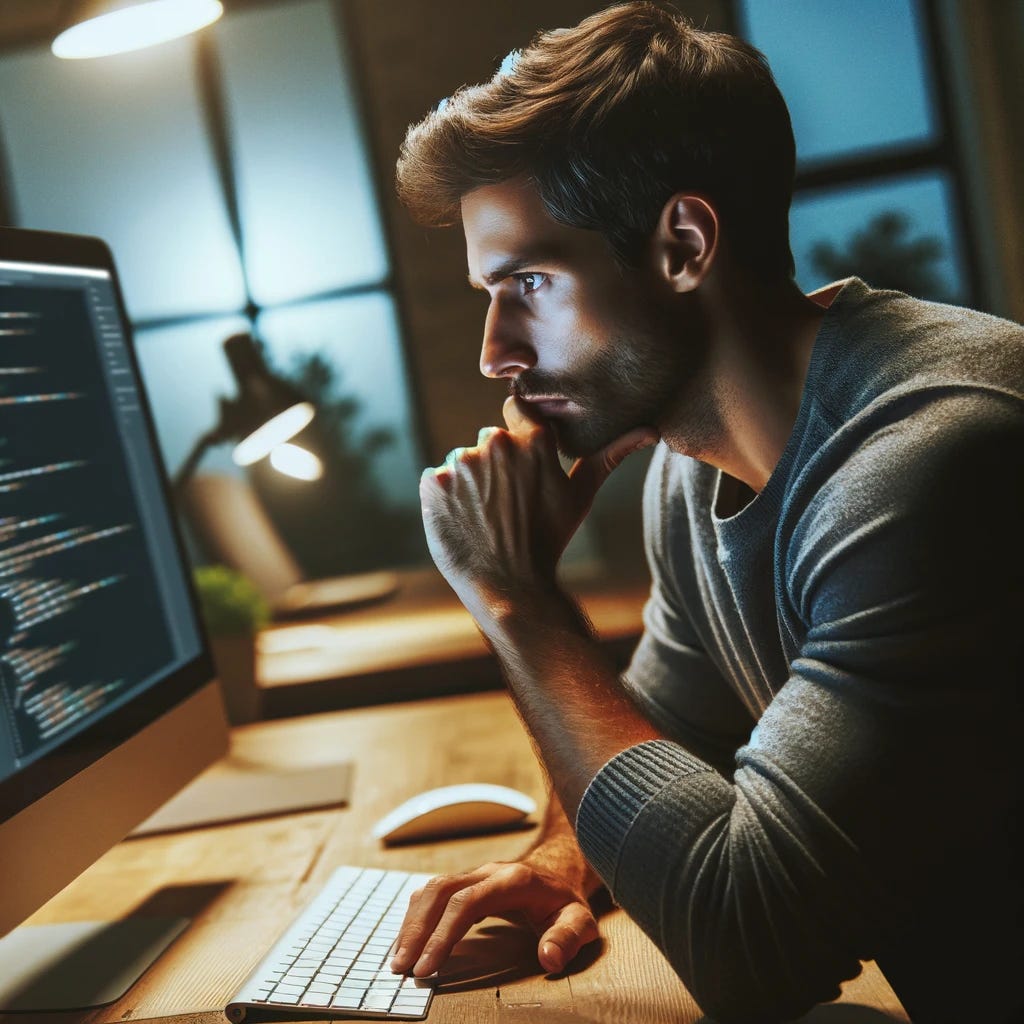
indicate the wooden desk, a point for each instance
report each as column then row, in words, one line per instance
column 242, row 883
column 421, row 642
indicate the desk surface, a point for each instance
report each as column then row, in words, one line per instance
column 242, row 883
column 420, row 642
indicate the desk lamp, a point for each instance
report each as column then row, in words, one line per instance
column 267, row 414
column 99, row 28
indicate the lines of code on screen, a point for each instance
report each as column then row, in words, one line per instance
column 81, row 623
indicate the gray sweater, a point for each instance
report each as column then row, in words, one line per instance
column 840, row 667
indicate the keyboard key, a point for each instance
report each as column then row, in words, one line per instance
column 320, row 986
column 417, row 997
column 317, row 999
column 377, row 1001
column 346, row 1001
column 288, row 989
column 353, row 988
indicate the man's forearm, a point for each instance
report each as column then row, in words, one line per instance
column 564, row 685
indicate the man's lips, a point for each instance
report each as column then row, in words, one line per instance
column 549, row 405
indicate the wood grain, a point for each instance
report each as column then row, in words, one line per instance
column 242, row 883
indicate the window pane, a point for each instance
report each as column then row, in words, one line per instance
column 309, row 215
column 896, row 233
column 854, row 75
column 117, row 148
column 346, row 356
column 185, row 370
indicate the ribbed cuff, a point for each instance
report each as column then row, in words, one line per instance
column 617, row 794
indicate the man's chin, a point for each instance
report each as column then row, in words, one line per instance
column 574, row 443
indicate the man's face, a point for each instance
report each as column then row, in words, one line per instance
column 588, row 345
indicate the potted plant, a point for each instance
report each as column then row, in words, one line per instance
column 234, row 611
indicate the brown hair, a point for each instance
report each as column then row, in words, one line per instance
column 609, row 120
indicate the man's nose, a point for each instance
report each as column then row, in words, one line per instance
column 504, row 352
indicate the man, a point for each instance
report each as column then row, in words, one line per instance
column 811, row 758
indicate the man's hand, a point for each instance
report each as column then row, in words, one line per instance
column 528, row 890
column 499, row 515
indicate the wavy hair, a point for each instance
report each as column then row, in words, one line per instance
column 611, row 118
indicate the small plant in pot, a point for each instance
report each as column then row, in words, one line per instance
column 234, row 612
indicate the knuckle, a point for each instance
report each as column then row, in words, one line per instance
column 437, row 888
column 515, row 874
column 413, row 933
column 462, row 900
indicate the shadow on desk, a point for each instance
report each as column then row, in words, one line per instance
column 89, row 965
column 477, row 961
column 835, row 1013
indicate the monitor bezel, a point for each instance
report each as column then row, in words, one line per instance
column 52, row 769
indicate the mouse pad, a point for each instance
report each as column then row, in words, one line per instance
column 232, row 791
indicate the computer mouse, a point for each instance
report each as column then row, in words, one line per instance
column 454, row 811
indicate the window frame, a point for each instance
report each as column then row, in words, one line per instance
column 900, row 160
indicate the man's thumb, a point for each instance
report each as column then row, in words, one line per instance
column 572, row 929
column 590, row 472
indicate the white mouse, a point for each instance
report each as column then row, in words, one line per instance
column 454, row 810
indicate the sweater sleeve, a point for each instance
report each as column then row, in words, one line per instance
column 885, row 757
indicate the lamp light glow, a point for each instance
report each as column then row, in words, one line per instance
column 135, row 27
column 294, row 461
column 283, row 427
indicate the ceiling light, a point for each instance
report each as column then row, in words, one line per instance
column 104, row 27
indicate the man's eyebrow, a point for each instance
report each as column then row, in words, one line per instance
column 514, row 264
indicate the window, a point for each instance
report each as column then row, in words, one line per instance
column 877, row 189
column 229, row 173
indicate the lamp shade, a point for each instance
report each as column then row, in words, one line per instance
column 99, row 28
column 268, row 410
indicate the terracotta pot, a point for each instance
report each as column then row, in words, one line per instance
column 234, row 657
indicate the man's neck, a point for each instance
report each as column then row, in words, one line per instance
column 760, row 354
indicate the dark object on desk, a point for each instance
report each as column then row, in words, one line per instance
column 233, row 529
column 234, row 790
column 82, row 964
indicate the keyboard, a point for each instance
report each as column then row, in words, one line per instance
column 333, row 959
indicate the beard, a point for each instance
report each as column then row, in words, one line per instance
column 635, row 380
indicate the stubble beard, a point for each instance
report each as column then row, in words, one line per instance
column 625, row 386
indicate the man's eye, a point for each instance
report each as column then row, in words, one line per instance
column 530, row 282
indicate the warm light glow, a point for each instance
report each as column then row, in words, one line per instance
column 135, row 27
column 283, row 427
column 296, row 462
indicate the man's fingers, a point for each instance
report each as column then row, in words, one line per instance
column 426, row 909
column 589, row 473
column 465, row 909
column 573, row 927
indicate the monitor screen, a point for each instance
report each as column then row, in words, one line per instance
column 94, row 605
column 108, row 704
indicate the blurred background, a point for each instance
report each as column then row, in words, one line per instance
column 243, row 178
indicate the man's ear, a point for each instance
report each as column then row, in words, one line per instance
column 685, row 241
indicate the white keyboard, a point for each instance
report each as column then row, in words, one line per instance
column 334, row 958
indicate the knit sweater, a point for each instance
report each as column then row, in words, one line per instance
column 839, row 668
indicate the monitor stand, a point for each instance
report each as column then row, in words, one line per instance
column 81, row 965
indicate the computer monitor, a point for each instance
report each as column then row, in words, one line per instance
column 108, row 703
